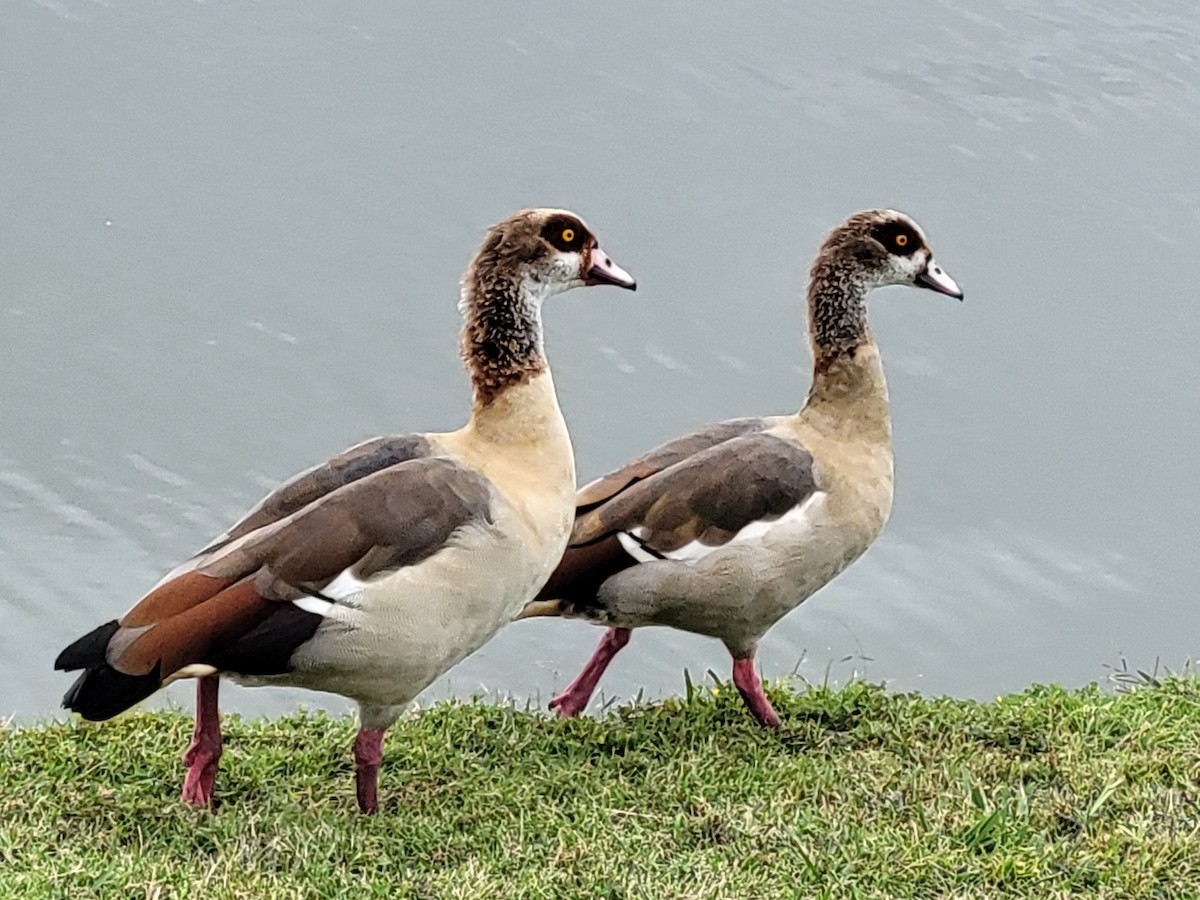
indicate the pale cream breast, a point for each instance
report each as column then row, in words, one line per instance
column 523, row 448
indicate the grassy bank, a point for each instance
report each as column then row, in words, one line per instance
column 862, row 793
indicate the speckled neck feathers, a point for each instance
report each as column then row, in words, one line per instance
column 502, row 327
column 837, row 312
column 848, row 392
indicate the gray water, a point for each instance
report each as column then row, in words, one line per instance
column 231, row 234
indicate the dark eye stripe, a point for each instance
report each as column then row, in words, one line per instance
column 557, row 230
column 898, row 238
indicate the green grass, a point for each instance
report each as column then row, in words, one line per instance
column 1047, row 793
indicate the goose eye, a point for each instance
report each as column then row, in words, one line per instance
column 568, row 235
column 902, row 240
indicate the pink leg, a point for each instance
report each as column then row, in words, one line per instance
column 368, row 754
column 205, row 751
column 574, row 699
column 749, row 685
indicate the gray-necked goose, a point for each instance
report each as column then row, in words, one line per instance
column 725, row 530
column 375, row 572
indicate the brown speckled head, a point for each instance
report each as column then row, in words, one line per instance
column 531, row 255
column 870, row 249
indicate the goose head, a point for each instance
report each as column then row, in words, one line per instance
column 531, row 255
column 888, row 247
column 546, row 252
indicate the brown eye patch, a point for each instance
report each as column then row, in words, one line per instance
column 897, row 237
column 565, row 233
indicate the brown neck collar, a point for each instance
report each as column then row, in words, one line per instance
column 502, row 331
column 837, row 311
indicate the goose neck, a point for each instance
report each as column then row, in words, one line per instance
column 837, row 310
column 848, row 393
column 502, row 332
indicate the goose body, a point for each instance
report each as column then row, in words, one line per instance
column 725, row 530
column 373, row 573
column 382, row 640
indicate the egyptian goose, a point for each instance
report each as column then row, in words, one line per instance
column 373, row 573
column 725, row 530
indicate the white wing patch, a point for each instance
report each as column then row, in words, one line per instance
column 345, row 587
column 196, row 670
column 314, row 605
column 634, row 547
column 796, row 518
column 346, row 584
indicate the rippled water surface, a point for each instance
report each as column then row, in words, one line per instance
column 230, row 237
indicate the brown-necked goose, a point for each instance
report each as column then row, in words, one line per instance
column 725, row 530
column 372, row 574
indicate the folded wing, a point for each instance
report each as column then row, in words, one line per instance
column 239, row 605
column 680, row 502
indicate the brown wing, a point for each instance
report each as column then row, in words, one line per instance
column 709, row 497
column 662, row 457
column 706, row 497
column 210, row 611
column 349, row 466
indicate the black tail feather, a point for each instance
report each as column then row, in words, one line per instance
column 88, row 651
column 102, row 692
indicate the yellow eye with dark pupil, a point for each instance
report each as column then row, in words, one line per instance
column 568, row 235
column 902, row 240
